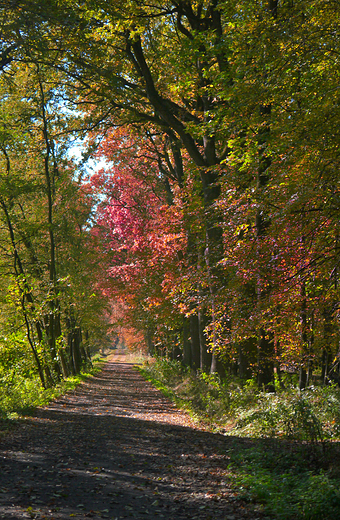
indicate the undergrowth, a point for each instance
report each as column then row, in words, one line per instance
column 285, row 482
column 236, row 407
column 290, row 465
column 21, row 393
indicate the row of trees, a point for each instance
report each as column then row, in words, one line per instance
column 48, row 295
column 218, row 214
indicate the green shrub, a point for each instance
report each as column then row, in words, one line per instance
column 19, row 393
column 280, row 481
column 291, row 496
column 312, row 415
column 288, row 474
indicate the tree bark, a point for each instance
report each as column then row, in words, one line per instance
column 194, row 341
column 187, row 358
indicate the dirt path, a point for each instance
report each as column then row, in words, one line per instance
column 115, row 448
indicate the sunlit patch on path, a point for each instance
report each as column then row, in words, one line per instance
column 120, row 391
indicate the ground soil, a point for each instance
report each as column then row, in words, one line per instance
column 116, row 448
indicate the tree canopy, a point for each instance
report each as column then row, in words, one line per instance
column 216, row 217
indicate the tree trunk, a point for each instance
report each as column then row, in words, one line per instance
column 194, row 341
column 34, row 350
column 64, row 364
column 265, row 362
column 205, row 355
column 77, row 361
column 247, row 357
column 187, row 358
column 265, row 348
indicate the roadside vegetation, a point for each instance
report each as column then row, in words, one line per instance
column 21, row 391
column 288, row 459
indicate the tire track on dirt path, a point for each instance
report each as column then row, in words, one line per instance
column 115, row 448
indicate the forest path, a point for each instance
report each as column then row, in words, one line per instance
column 115, row 448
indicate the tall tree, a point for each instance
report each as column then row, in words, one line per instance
column 230, row 96
column 37, row 184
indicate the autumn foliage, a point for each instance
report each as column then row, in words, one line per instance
column 216, row 217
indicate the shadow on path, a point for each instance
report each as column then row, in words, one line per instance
column 115, row 448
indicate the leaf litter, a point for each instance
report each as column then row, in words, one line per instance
column 116, row 448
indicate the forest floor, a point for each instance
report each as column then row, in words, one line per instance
column 116, row 448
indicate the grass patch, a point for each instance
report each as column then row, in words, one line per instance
column 284, row 457
column 22, row 394
column 286, row 482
